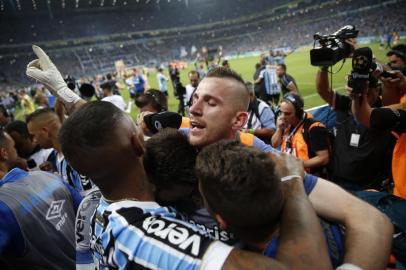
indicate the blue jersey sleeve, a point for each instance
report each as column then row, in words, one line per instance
column 184, row 131
column 309, row 182
column 257, row 143
column 260, row 145
column 11, row 239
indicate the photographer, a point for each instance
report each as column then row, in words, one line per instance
column 391, row 118
column 392, row 94
column 361, row 156
column 261, row 118
column 397, row 58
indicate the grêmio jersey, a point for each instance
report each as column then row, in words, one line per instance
column 143, row 235
column 80, row 183
column 86, row 209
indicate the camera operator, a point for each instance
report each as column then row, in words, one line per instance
column 361, row 156
column 392, row 118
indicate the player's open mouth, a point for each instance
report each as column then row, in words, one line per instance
column 196, row 127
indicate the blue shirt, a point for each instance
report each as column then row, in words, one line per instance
column 139, row 83
column 332, row 232
column 267, row 118
column 260, row 115
column 11, row 238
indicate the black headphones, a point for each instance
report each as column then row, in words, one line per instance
column 297, row 103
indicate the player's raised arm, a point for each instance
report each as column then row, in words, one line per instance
column 44, row 71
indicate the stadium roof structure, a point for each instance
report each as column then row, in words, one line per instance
column 55, row 8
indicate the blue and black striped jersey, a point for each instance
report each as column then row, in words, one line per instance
column 143, row 235
column 80, row 183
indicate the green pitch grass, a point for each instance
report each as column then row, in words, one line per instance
column 298, row 65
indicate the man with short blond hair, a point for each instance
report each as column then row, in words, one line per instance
column 44, row 126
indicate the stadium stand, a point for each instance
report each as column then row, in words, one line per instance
column 106, row 38
column 247, row 163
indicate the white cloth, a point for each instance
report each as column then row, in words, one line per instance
column 116, row 100
column 188, row 95
column 40, row 157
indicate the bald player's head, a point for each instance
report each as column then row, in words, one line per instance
column 219, row 109
column 102, row 142
column 239, row 97
column 44, row 125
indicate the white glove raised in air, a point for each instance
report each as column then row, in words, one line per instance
column 44, row 71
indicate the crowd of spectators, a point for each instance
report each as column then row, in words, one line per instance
column 286, row 28
column 131, row 18
column 241, row 177
column 228, row 186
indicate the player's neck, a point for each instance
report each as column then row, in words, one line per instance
column 56, row 145
column 135, row 186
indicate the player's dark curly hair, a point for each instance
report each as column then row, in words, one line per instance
column 169, row 158
column 241, row 185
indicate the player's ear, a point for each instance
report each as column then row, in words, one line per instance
column 239, row 120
